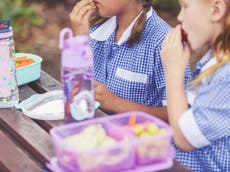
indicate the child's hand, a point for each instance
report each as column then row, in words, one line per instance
column 80, row 16
column 174, row 55
column 104, row 96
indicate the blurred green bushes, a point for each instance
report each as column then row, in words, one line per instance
column 20, row 13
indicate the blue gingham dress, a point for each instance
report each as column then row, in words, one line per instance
column 210, row 110
column 134, row 73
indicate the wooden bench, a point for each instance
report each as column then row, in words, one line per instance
column 25, row 143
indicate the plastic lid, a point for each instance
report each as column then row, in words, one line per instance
column 76, row 50
column 5, row 30
column 48, row 106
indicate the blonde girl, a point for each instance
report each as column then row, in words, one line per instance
column 200, row 115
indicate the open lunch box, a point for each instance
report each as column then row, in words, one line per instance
column 27, row 72
column 132, row 141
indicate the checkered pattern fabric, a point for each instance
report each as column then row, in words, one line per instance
column 211, row 110
column 141, row 58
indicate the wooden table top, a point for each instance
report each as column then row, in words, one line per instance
column 25, row 143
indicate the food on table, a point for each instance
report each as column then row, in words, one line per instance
column 132, row 120
column 23, row 61
column 90, row 138
column 150, row 148
column 144, row 129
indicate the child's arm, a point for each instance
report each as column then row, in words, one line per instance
column 79, row 16
column 111, row 103
column 177, row 105
column 175, row 63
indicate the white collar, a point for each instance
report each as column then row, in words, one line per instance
column 208, row 59
column 210, row 63
column 106, row 29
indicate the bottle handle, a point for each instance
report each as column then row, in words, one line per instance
column 62, row 36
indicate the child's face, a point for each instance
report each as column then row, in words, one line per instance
column 108, row 8
column 195, row 17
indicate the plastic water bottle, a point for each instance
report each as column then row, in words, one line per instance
column 8, row 83
column 77, row 76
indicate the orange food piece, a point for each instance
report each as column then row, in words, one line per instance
column 23, row 61
column 132, row 120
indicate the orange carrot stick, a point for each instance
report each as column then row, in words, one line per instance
column 132, row 120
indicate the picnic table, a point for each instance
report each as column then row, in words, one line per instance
column 25, row 143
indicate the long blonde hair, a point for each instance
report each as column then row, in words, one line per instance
column 135, row 36
column 221, row 51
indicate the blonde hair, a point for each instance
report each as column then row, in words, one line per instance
column 221, row 51
column 135, row 36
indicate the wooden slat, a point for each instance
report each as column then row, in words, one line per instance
column 27, row 133
column 47, row 125
column 45, row 83
column 12, row 158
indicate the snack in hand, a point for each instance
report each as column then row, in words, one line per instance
column 92, row 4
column 184, row 36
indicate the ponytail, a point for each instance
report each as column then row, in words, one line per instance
column 135, row 36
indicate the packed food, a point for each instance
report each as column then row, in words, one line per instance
column 128, row 140
column 90, row 138
column 92, row 4
column 23, row 61
column 184, row 36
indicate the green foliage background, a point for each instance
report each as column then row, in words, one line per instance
column 20, row 14
column 20, row 11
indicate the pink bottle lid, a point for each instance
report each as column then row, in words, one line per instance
column 76, row 50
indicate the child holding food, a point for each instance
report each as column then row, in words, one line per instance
column 200, row 115
column 126, row 38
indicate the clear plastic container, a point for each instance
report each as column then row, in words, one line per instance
column 48, row 106
column 148, row 153
column 77, row 76
column 30, row 72
column 115, row 157
column 153, row 148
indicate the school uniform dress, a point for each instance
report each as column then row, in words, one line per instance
column 206, row 125
column 134, row 73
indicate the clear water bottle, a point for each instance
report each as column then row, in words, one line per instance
column 8, row 83
column 77, row 76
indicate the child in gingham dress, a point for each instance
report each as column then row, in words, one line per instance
column 200, row 116
column 126, row 45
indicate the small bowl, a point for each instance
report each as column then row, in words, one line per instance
column 30, row 72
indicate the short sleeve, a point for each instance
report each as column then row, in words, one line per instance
column 211, row 109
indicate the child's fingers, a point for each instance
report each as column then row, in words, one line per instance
column 84, row 13
column 177, row 35
column 80, row 9
column 81, row 4
column 167, row 38
column 86, row 16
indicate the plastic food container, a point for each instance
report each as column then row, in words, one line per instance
column 115, row 157
column 48, row 106
column 153, row 148
column 148, row 153
column 30, row 72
